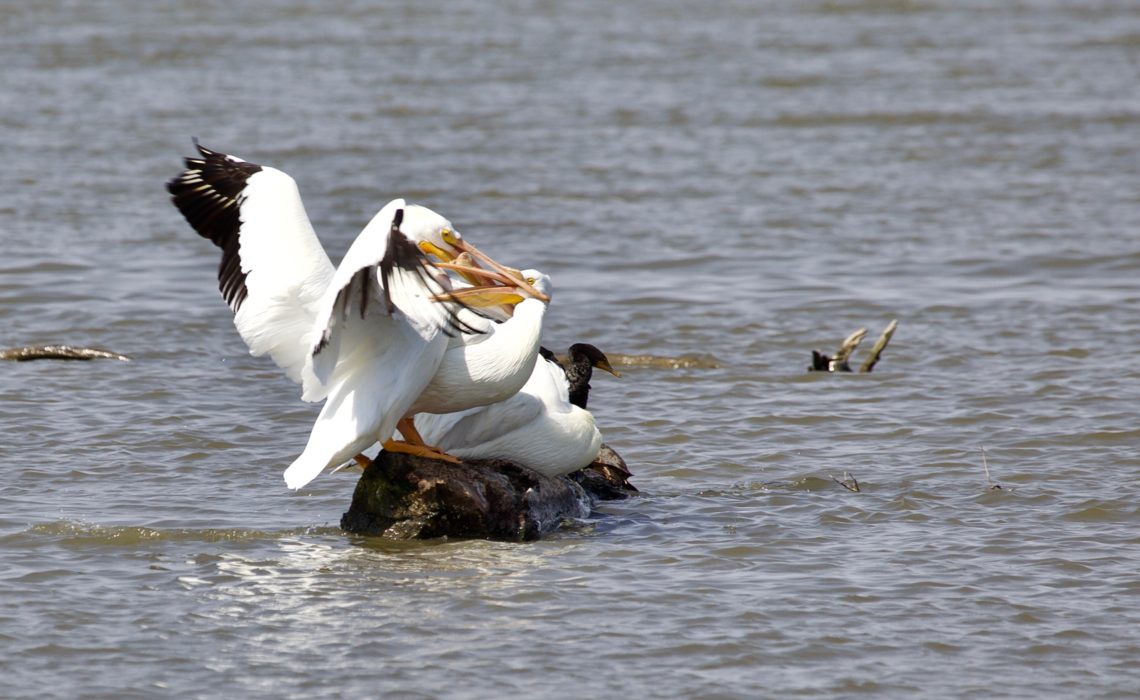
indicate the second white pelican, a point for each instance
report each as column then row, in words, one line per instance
column 538, row 427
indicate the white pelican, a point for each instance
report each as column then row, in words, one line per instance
column 374, row 368
column 367, row 337
column 538, row 427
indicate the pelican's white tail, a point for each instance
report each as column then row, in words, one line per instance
column 337, row 436
column 304, row 469
column 364, row 401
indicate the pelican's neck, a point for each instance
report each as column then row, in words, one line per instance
column 513, row 348
column 529, row 307
column 524, row 329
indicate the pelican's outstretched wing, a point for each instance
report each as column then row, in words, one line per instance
column 273, row 271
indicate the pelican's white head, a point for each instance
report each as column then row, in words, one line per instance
column 431, row 232
column 435, row 235
column 541, row 283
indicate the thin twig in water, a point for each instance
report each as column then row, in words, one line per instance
column 848, row 482
column 990, row 483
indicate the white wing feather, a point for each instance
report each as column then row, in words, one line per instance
column 273, row 270
column 287, row 272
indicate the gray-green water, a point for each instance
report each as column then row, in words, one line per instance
column 746, row 180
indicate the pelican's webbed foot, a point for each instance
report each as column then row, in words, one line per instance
column 419, row 451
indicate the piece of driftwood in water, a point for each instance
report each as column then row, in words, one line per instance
column 58, row 352
column 838, row 363
column 658, row 361
column 848, row 482
column 880, row 345
column 990, row 483
column 405, row 497
column 821, row 362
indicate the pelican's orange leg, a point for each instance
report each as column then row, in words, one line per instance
column 413, row 444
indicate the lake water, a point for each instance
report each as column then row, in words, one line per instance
column 745, row 181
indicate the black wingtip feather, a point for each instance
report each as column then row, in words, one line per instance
column 209, row 196
column 402, row 253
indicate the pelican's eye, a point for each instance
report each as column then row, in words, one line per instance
column 449, row 237
column 531, row 280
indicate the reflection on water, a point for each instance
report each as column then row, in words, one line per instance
column 738, row 184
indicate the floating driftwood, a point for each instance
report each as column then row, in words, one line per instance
column 848, row 482
column 821, row 362
column 660, row 361
column 58, row 352
column 401, row 496
column 879, row 346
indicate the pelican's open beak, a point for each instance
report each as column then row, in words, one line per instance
column 515, row 276
column 466, row 261
column 475, row 274
column 480, row 297
column 432, row 249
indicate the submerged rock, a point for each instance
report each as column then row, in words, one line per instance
column 400, row 496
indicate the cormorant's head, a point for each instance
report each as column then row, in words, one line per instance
column 592, row 355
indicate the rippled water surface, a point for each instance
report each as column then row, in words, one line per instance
column 746, row 181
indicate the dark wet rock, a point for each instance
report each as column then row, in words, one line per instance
column 405, row 497
column 607, row 479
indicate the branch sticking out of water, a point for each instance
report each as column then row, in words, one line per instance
column 880, row 346
column 990, row 483
column 848, row 346
column 848, row 482
column 821, row 362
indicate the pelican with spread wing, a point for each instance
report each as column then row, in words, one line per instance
column 367, row 337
